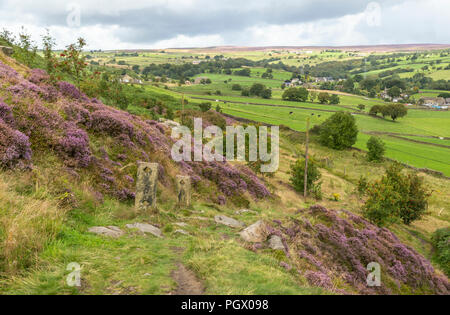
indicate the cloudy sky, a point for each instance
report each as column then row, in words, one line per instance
column 119, row 24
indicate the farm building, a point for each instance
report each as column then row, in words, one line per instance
column 127, row 79
column 324, row 79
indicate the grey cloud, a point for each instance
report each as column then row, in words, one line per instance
column 149, row 24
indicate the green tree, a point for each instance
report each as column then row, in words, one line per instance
column 394, row 91
column 349, row 85
column 49, row 57
column 136, row 68
column 267, row 94
column 397, row 111
column 376, row 148
column 73, row 62
column 169, row 114
column 296, row 94
column 257, row 89
column 339, row 132
column 236, row 87
column 26, row 50
column 297, row 178
column 441, row 246
column 375, row 110
column 334, row 99
column 205, row 106
column 324, row 98
column 396, row 196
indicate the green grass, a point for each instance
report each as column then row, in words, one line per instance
column 418, row 122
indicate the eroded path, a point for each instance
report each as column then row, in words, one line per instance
column 187, row 282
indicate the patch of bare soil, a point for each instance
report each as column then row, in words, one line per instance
column 187, row 282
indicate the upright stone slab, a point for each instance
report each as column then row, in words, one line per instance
column 184, row 191
column 147, row 181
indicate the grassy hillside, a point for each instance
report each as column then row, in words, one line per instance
column 68, row 163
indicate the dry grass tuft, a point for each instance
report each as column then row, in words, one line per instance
column 26, row 226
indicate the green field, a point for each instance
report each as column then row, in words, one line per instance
column 414, row 127
column 418, row 122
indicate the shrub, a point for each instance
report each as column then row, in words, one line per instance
column 204, row 107
column 69, row 90
column 14, row 146
column 441, row 244
column 267, row 94
column 376, row 149
column 334, row 99
column 111, row 123
column 396, row 196
column 296, row 94
column 339, row 132
column 362, row 185
column 6, row 113
column 74, row 146
column 245, row 92
column 236, row 87
column 324, row 98
column 298, row 177
column 257, row 89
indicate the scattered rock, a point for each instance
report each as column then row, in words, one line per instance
column 181, row 224
column 8, row 51
column 181, row 232
column 145, row 228
column 221, row 219
column 169, row 123
column 110, row 231
column 255, row 233
column 276, row 243
column 199, row 218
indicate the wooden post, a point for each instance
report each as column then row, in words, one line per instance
column 305, row 193
column 182, row 110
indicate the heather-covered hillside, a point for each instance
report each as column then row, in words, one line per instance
column 332, row 249
column 40, row 119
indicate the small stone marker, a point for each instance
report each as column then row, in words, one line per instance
column 276, row 243
column 184, row 190
column 147, row 182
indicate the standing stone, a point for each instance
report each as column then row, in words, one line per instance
column 110, row 231
column 184, row 191
column 221, row 219
column 147, row 181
